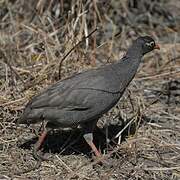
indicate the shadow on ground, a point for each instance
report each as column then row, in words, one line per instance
column 72, row 142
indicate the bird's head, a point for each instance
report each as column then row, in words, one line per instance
column 147, row 44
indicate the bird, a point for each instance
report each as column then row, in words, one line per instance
column 81, row 99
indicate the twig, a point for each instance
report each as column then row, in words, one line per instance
column 168, row 62
column 12, row 102
column 64, row 164
column 69, row 52
column 161, row 168
column 159, row 75
column 127, row 125
column 12, row 69
column 37, row 166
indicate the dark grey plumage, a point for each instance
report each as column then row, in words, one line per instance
column 85, row 97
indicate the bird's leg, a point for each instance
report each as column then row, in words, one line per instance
column 89, row 139
column 88, row 136
column 39, row 143
column 40, row 140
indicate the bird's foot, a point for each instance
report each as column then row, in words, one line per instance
column 102, row 161
column 38, row 155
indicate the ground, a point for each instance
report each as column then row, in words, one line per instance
column 39, row 44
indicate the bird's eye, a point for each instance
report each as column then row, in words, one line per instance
column 150, row 44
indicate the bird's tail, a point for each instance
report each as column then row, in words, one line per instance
column 30, row 116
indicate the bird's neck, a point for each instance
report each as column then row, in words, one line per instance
column 134, row 52
column 127, row 67
column 132, row 59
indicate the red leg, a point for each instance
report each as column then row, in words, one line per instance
column 41, row 140
column 93, row 147
column 38, row 145
column 89, row 139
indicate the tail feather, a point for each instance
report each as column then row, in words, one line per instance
column 31, row 116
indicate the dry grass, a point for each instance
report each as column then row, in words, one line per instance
column 33, row 49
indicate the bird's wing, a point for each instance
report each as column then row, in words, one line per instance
column 72, row 92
